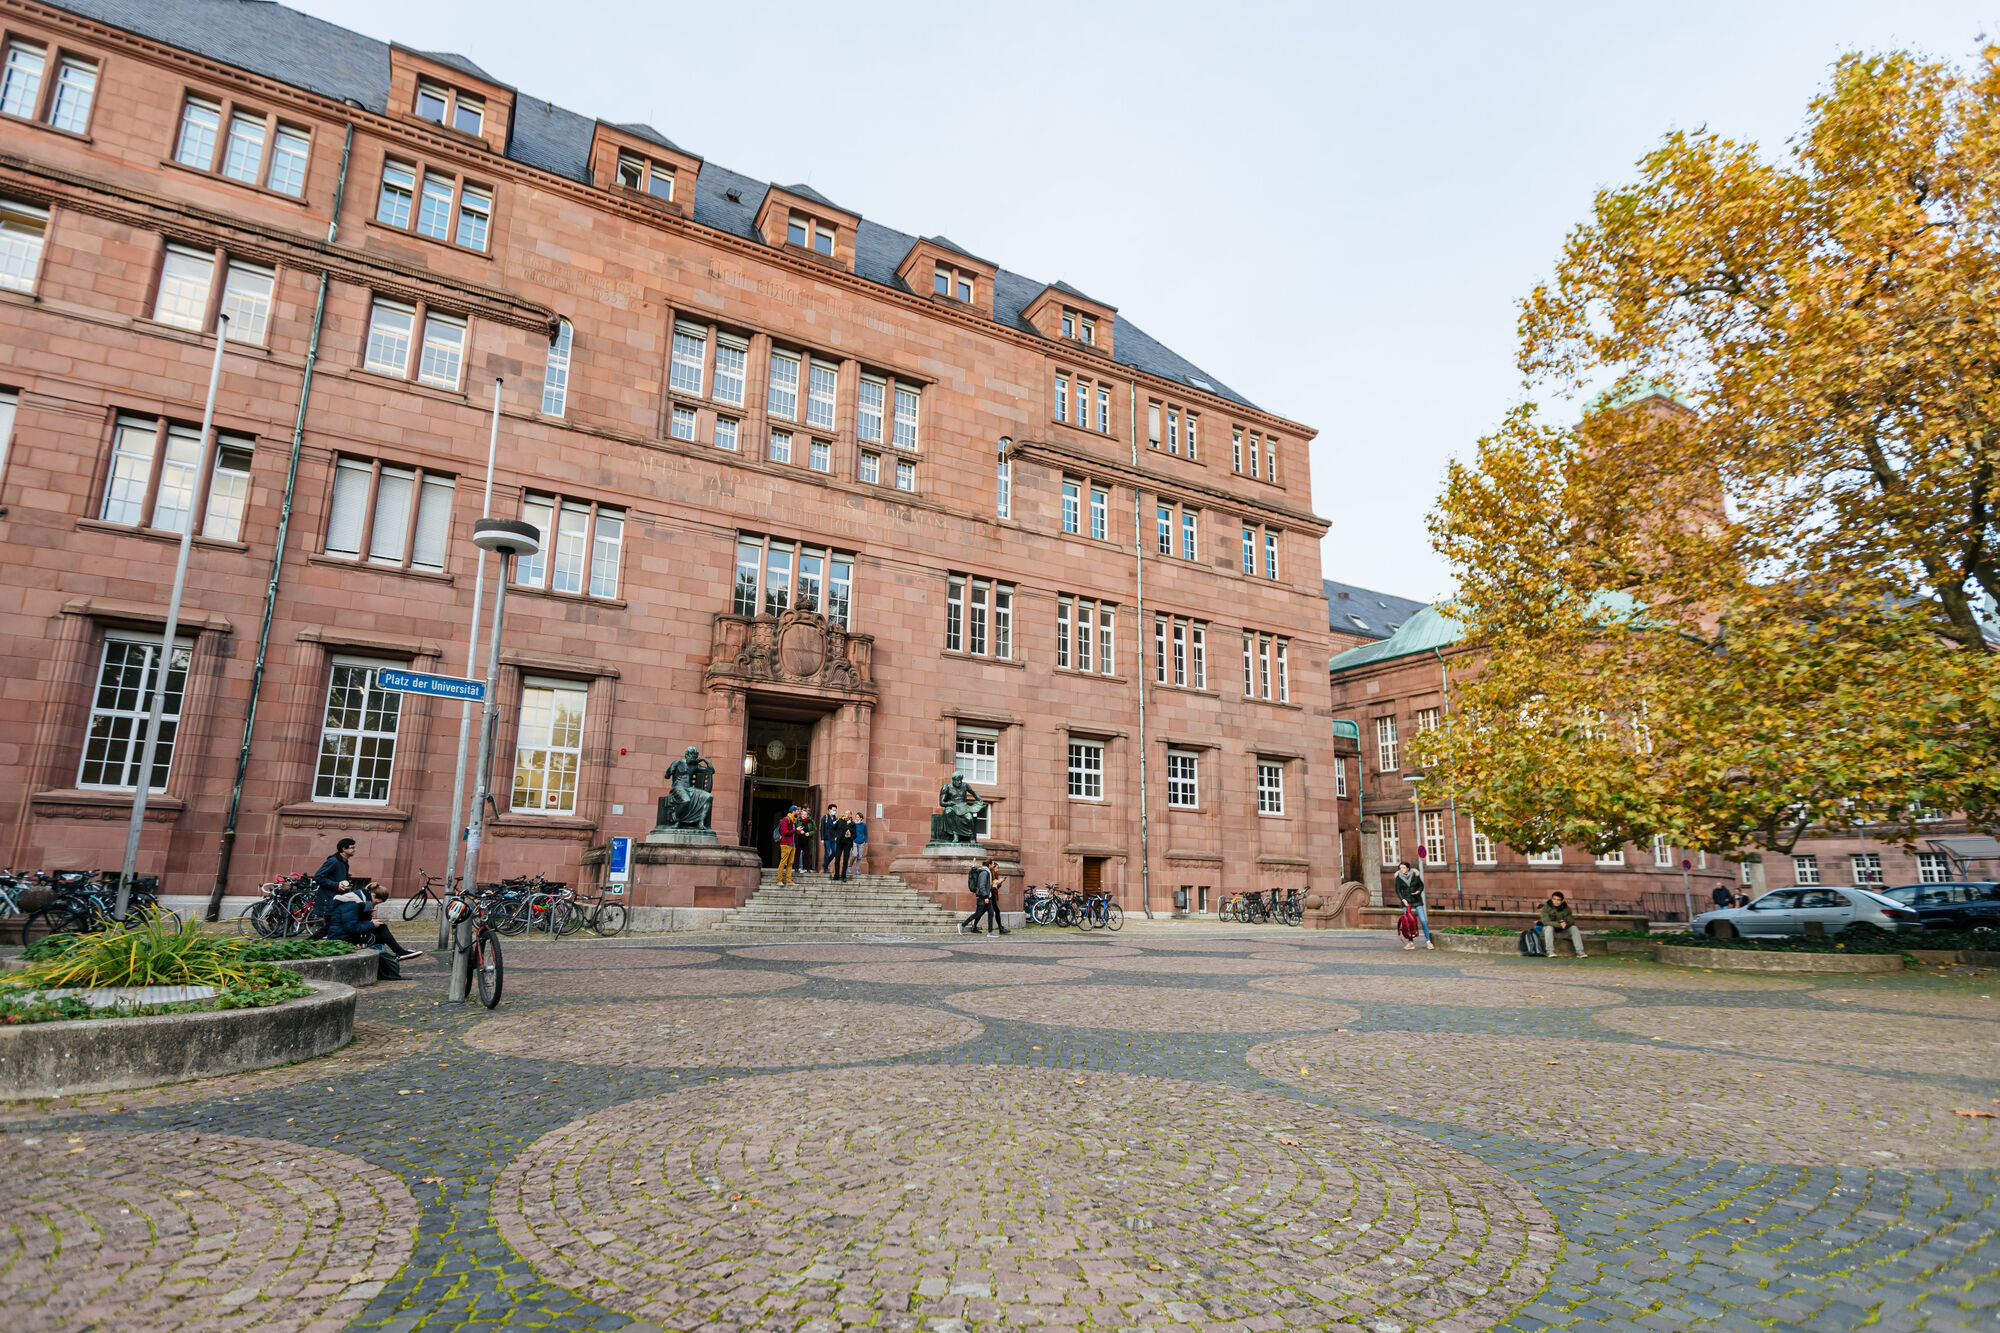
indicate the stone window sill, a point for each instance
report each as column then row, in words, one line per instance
column 578, row 598
column 91, row 803
column 345, row 810
column 523, row 819
column 262, row 191
column 413, row 234
column 348, row 562
column 1090, row 675
column 411, row 382
column 984, row 660
column 157, row 535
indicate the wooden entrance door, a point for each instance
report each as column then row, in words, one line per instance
column 1093, row 874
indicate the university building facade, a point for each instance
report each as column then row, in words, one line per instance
column 848, row 509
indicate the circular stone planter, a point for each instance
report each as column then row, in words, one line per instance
column 352, row 969
column 108, row 1054
column 1773, row 960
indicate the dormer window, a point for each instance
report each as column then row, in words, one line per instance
column 448, row 106
column 1079, row 326
column 638, row 173
column 1087, row 330
column 810, row 234
column 950, row 282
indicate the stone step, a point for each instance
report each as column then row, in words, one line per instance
column 815, row 902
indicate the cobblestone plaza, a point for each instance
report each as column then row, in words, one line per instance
column 1170, row 1128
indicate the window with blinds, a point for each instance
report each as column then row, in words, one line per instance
column 155, row 469
column 582, row 546
column 401, row 517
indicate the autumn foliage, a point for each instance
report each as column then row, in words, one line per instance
column 1746, row 593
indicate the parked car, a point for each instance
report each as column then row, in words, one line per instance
column 1965, row 905
column 1797, row 911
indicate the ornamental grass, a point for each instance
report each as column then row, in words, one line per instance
column 147, row 953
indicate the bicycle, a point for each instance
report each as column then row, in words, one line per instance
column 488, row 969
column 433, row 889
column 1038, row 906
column 605, row 915
column 86, row 902
column 1099, row 911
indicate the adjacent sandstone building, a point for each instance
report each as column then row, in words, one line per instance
column 846, row 507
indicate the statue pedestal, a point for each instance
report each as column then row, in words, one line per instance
column 683, row 880
column 681, row 837
column 938, row 872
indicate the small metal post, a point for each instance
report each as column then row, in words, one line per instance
column 1687, row 892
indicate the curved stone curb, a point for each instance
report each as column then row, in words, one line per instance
column 1772, row 960
column 353, row 969
column 108, row 1054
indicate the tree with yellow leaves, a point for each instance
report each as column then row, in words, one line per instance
column 1750, row 591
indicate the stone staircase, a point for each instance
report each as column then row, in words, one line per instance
column 814, row 903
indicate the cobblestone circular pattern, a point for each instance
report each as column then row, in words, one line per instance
column 1638, row 1096
column 841, row 953
column 532, row 956
column 1640, row 975
column 1196, row 965
column 961, row 1197
column 725, row 1033
column 957, row 972
column 629, row 985
column 1966, row 1004
column 1865, row 1040
column 1013, row 947
column 153, row 1231
column 1473, row 992
column 374, row 1044
column 1236, row 946
column 1154, row 1009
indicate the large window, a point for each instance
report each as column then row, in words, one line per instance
column 154, row 467
column 1086, row 770
column 1390, row 840
column 1100, row 509
column 1614, row 857
column 783, row 398
column 1270, row 554
column 979, row 755
column 185, row 278
column 774, row 574
column 440, row 205
column 1074, row 396
column 581, row 545
column 399, row 516
column 690, row 358
column 1270, row 788
column 1072, row 506
column 905, row 436
column 1003, row 495
column 1867, row 868
column 1483, row 852
column 822, row 379
column 115, row 738
column 1933, row 868
column 1805, row 870
column 23, row 227
column 357, row 740
column 979, row 617
column 1663, row 852
column 1084, row 634
column 869, row 416
column 1266, row 667
column 732, row 357
column 1548, row 856
column 1385, row 744
column 1183, row 788
column 67, row 106
column 1433, row 831
column 391, row 340
column 550, row 750
column 1180, row 652
column 555, row 373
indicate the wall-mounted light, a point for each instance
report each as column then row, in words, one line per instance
column 749, row 764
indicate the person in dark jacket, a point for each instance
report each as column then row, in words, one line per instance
column 860, row 841
column 843, row 836
column 828, row 822
column 332, row 873
column 354, row 920
column 1556, row 916
column 1410, row 888
column 807, row 829
column 987, row 897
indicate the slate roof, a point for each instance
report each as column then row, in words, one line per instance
column 1429, row 628
column 638, row 129
column 1379, row 614
column 279, row 43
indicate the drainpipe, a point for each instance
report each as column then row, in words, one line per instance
column 228, row 846
column 1139, row 638
column 1360, row 794
column 1457, row 861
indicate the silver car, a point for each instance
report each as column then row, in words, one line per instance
column 1815, row 911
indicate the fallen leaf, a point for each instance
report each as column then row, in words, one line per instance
column 1155, row 1268
column 1079, row 1082
column 433, row 1180
column 1289, row 1143
column 183, row 1194
column 1968, row 1112
column 78, row 1150
column 1304, row 1070
column 1551, row 1062
column 1343, row 1219
column 734, row 1197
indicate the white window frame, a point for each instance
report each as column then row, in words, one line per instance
column 908, row 404
column 1805, row 869
column 121, row 728
column 329, row 783
column 1483, row 851
column 441, row 363
column 1866, row 868
column 1389, row 838
column 822, row 393
column 781, row 394
column 247, row 292
column 977, row 755
column 1550, row 856
column 688, row 362
column 906, row 475
column 871, row 467
column 1003, row 495
column 552, row 762
column 1614, row 857
column 1183, row 780
column 1663, row 852
column 1434, row 839
column 24, row 235
column 1086, row 770
column 1072, row 506
column 732, row 369
column 1270, row 787
column 1100, row 513
column 555, row 376
column 187, row 281
column 1340, row 779
column 1933, row 868
column 1386, row 747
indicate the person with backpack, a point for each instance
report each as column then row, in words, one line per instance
column 1410, row 888
column 980, row 880
column 1556, row 916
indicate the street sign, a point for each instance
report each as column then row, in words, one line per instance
column 422, row 682
column 621, row 863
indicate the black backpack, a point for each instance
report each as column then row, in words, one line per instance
column 979, row 885
column 1531, row 942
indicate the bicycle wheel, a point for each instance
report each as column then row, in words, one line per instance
column 167, row 917
column 50, row 920
column 486, row 967
column 417, row 904
column 510, row 918
column 1086, row 917
column 1043, row 913
column 1114, row 917
column 608, row 919
column 576, row 917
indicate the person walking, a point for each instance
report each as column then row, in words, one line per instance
column 1556, row 916
column 788, row 845
column 860, row 841
column 332, row 875
column 828, row 823
column 986, row 895
column 1410, row 888
column 843, row 838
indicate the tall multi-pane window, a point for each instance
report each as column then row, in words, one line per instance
column 1340, row 778
column 1270, row 555
column 1183, row 789
column 444, row 351
column 434, row 207
column 555, row 376
column 357, row 739
column 978, row 755
column 1433, row 832
column 246, row 299
column 291, row 150
column 1180, row 652
column 1107, row 660
column 819, row 456
column 1236, row 450
column 979, row 616
column 156, row 463
column 549, row 753
column 201, row 126
column 725, row 433
column 1086, row 770
column 243, row 152
column 871, row 468
column 1270, row 788
column 1663, row 852
column 391, row 326
column 398, row 515
column 1173, row 430
column 76, row 86
column 1614, row 857
column 906, row 418
column 581, row 546
column 1190, row 540
column 1082, row 403
column 1933, row 868
column 1163, row 525
column 1429, row 718
column 812, row 575
column 1153, row 425
column 821, row 379
column 1271, row 459
column 1547, row 856
column 1062, row 631
column 1254, row 443
column 1103, row 410
column 906, row 475
column 732, row 355
column 1062, row 397
column 1385, row 744
column 690, row 359
column 1482, row 847
column 21, row 80
column 783, row 400
column 399, row 188
column 23, row 228
column 1283, row 671
column 780, row 448
column 1072, row 500
column 475, row 217
column 1390, row 841
column 9, row 403
column 1085, row 621
column 1249, row 550
column 1867, row 868
column 1003, row 493
column 1100, row 511
column 115, row 736
column 185, row 278
column 1805, row 870
column 870, row 404
column 1194, row 438
column 768, row 570
column 1084, row 632
column 976, row 612
column 1249, row 665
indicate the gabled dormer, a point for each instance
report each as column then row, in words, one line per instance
column 948, row 275
column 1067, row 315
column 637, row 161
column 448, row 93
column 800, row 219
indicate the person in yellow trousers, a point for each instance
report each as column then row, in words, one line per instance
column 788, row 844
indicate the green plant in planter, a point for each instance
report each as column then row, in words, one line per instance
column 148, row 954
column 271, row 951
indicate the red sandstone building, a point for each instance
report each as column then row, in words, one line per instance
column 1393, row 689
column 847, row 508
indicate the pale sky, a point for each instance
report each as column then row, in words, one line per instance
column 1335, row 208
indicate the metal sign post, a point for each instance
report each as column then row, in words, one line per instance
column 619, row 867
column 1687, row 893
column 471, row 660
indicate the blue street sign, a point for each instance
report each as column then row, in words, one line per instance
column 621, row 864
column 421, row 682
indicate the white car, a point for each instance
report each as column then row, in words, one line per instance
column 1797, row 911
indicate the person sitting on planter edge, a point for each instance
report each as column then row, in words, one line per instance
column 354, row 921
column 1556, row 916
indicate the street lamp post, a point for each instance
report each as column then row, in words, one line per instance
column 506, row 538
column 1687, row 893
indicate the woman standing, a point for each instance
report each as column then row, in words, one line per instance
column 1410, row 888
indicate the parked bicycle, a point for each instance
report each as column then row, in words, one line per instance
column 86, row 901
column 488, row 971
column 432, row 890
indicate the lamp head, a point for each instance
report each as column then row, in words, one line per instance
column 506, row 536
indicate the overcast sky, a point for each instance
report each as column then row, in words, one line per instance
column 1334, row 208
